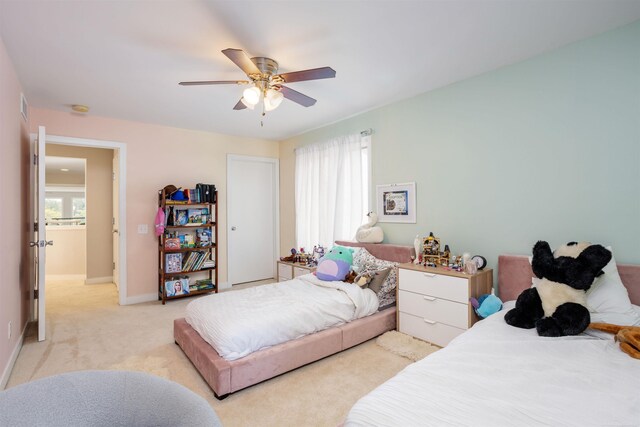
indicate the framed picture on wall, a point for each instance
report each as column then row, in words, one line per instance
column 396, row 202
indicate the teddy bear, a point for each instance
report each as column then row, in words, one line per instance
column 557, row 306
column 627, row 336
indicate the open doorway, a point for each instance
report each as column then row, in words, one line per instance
column 66, row 217
column 105, row 204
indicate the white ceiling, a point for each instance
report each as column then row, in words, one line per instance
column 125, row 58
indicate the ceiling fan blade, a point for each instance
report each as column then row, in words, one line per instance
column 240, row 106
column 242, row 60
column 297, row 97
column 313, row 74
column 215, row 82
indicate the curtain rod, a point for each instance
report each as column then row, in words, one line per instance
column 366, row 132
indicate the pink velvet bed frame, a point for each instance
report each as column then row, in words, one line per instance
column 225, row 377
column 514, row 276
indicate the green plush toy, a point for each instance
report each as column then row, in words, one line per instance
column 335, row 265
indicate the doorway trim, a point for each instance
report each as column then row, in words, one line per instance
column 276, row 207
column 122, row 197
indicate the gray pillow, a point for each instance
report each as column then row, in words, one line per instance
column 378, row 279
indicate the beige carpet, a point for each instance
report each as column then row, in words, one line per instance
column 86, row 329
column 405, row 345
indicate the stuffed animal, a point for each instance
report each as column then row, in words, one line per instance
column 367, row 233
column 335, row 265
column 557, row 305
column 627, row 336
column 486, row 305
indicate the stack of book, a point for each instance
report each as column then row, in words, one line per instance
column 194, row 261
column 201, row 285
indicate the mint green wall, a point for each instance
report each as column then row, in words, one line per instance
column 548, row 148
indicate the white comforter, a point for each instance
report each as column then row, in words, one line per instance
column 237, row 323
column 498, row 375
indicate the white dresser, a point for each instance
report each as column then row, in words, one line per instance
column 289, row 270
column 433, row 303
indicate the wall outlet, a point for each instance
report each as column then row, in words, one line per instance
column 143, row 229
column 9, row 332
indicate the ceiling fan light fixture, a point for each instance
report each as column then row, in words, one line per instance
column 246, row 104
column 272, row 99
column 251, row 95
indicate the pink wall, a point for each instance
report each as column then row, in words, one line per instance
column 14, row 216
column 157, row 156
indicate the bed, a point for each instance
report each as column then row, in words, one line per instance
column 498, row 375
column 227, row 376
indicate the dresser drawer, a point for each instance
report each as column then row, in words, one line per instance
column 299, row 271
column 436, row 333
column 435, row 285
column 284, row 272
column 436, row 309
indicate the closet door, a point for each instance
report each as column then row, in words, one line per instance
column 252, row 218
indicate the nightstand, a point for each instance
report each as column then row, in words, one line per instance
column 433, row 303
column 289, row 270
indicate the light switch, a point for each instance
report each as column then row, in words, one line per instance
column 143, row 228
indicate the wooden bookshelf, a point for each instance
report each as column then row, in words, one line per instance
column 187, row 256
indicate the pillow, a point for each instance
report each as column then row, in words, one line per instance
column 373, row 279
column 335, row 265
column 608, row 299
column 363, row 261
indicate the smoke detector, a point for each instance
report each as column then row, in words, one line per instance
column 80, row 108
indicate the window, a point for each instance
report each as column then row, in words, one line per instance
column 52, row 208
column 78, row 207
column 331, row 190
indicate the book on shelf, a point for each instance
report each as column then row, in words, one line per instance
column 173, row 263
column 195, row 217
column 201, row 285
column 181, row 217
column 203, row 238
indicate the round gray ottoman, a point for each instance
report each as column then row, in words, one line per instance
column 104, row 398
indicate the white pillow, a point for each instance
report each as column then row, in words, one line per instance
column 608, row 299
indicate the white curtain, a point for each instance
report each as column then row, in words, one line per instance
column 328, row 191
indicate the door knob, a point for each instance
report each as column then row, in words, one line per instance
column 32, row 244
column 49, row 243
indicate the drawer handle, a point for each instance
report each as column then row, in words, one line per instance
column 429, row 298
column 431, row 322
column 429, row 274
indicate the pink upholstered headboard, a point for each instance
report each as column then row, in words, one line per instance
column 514, row 276
column 386, row 251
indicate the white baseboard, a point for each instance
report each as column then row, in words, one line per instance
column 12, row 360
column 65, row 277
column 138, row 299
column 98, row 280
column 224, row 285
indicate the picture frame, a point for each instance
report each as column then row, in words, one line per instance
column 396, row 202
column 177, row 287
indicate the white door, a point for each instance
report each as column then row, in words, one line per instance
column 252, row 218
column 40, row 238
column 116, row 219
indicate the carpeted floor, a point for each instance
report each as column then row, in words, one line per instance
column 86, row 329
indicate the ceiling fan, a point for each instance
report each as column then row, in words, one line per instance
column 264, row 82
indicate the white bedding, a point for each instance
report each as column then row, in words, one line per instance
column 237, row 323
column 498, row 375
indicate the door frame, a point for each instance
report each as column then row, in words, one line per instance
column 275, row 163
column 122, row 198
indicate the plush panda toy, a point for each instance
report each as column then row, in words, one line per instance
column 557, row 305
